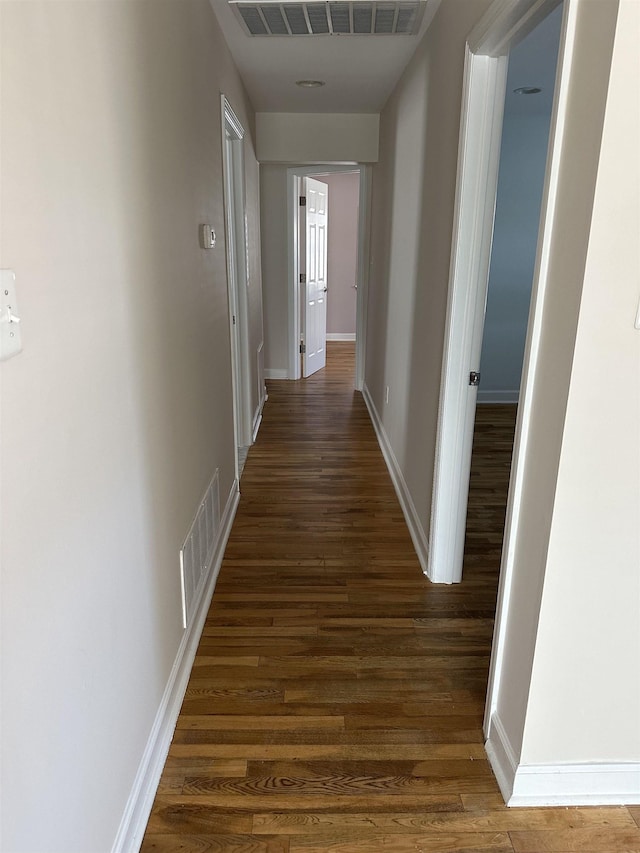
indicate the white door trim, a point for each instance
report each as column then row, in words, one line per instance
column 364, row 259
column 478, row 159
column 532, row 350
column 294, row 176
column 237, row 274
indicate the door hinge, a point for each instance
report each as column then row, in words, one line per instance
column 303, row 201
column 303, row 278
column 474, row 378
column 303, row 348
column 234, row 319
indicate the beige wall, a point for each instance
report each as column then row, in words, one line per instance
column 118, row 411
column 275, row 267
column 300, row 138
column 584, row 701
column 413, row 198
column 342, row 254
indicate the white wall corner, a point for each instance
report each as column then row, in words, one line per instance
column 597, row 784
column 275, row 373
column 527, row 785
column 140, row 801
column 416, row 530
column 501, row 757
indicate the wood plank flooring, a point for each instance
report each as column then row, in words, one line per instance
column 336, row 699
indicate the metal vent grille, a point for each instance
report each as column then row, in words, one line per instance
column 197, row 551
column 358, row 17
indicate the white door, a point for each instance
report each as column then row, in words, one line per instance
column 315, row 288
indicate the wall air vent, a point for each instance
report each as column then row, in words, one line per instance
column 357, row 17
column 198, row 549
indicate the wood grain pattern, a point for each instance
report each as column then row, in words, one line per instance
column 336, row 699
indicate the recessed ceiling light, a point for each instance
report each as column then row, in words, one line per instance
column 527, row 90
column 310, row 84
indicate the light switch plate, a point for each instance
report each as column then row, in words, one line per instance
column 10, row 337
column 207, row 237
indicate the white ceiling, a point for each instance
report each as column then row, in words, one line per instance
column 359, row 71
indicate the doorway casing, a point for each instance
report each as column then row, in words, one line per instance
column 237, row 276
column 294, row 180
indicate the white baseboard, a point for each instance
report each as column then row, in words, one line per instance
column 140, row 801
column 501, row 757
column 416, row 530
column 498, row 396
column 586, row 784
column 275, row 373
column 341, row 336
column 605, row 784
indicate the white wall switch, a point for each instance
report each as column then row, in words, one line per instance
column 10, row 337
column 207, row 237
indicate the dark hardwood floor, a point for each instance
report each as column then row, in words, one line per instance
column 337, row 696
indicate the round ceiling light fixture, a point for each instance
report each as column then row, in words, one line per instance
column 310, row 84
column 527, row 90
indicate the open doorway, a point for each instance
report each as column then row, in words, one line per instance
column 486, row 71
column 524, row 143
column 347, row 261
column 333, row 293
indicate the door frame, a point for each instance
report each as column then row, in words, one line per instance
column 235, row 214
column 294, row 176
column 505, row 23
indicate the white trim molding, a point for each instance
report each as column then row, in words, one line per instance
column 416, row 530
column 498, row 397
column 567, row 784
column 275, row 373
column 237, row 262
column 502, row 757
column 341, row 336
column 143, row 791
column 506, row 20
column 614, row 784
column 478, row 160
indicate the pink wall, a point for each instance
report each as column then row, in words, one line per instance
column 342, row 251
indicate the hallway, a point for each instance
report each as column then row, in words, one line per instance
column 336, row 699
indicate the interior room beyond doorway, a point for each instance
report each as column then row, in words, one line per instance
column 280, row 191
column 342, row 260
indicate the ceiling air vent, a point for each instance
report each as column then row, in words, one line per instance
column 358, row 17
